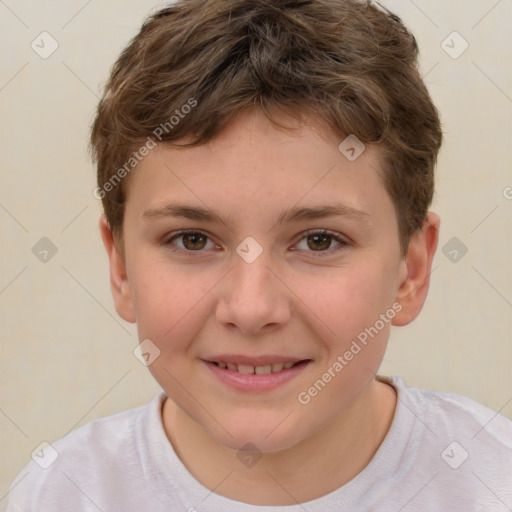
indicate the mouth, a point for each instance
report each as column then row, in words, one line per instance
column 258, row 369
column 264, row 374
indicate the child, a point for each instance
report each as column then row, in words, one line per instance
column 266, row 169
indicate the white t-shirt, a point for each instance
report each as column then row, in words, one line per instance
column 443, row 452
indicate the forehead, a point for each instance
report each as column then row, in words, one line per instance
column 254, row 167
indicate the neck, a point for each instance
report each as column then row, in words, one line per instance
column 308, row 470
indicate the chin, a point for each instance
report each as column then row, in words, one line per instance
column 264, row 436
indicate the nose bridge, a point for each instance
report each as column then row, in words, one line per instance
column 254, row 296
column 253, row 276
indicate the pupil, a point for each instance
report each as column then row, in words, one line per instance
column 326, row 238
column 194, row 238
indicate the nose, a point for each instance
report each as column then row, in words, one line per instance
column 254, row 297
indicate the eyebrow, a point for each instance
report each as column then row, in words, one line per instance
column 295, row 214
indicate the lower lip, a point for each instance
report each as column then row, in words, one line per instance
column 254, row 382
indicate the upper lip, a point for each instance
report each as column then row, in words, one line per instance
column 253, row 361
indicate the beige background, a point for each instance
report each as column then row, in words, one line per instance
column 66, row 358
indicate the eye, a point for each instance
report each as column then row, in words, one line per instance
column 192, row 241
column 322, row 240
column 318, row 241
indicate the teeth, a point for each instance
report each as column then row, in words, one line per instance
column 245, row 368
column 261, row 370
column 258, row 370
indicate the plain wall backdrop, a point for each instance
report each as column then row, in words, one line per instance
column 67, row 358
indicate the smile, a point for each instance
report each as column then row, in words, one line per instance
column 255, row 378
column 258, row 370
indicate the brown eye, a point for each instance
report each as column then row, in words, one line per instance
column 190, row 241
column 319, row 241
column 194, row 241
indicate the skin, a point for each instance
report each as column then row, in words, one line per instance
column 195, row 304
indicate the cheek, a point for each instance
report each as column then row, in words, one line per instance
column 344, row 303
column 351, row 307
column 170, row 313
column 166, row 301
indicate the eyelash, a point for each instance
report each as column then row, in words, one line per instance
column 317, row 254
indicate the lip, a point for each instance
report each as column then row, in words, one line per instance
column 255, row 382
column 252, row 361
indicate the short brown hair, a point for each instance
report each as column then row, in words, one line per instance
column 351, row 61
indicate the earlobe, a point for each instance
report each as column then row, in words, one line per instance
column 119, row 283
column 416, row 270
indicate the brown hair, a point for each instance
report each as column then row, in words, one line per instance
column 350, row 61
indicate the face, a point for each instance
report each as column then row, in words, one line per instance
column 262, row 283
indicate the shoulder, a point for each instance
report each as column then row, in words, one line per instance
column 92, row 452
column 94, row 443
column 459, row 449
column 459, row 431
column 452, row 448
column 450, row 412
column 463, row 416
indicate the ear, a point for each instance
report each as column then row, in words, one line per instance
column 119, row 283
column 416, row 269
